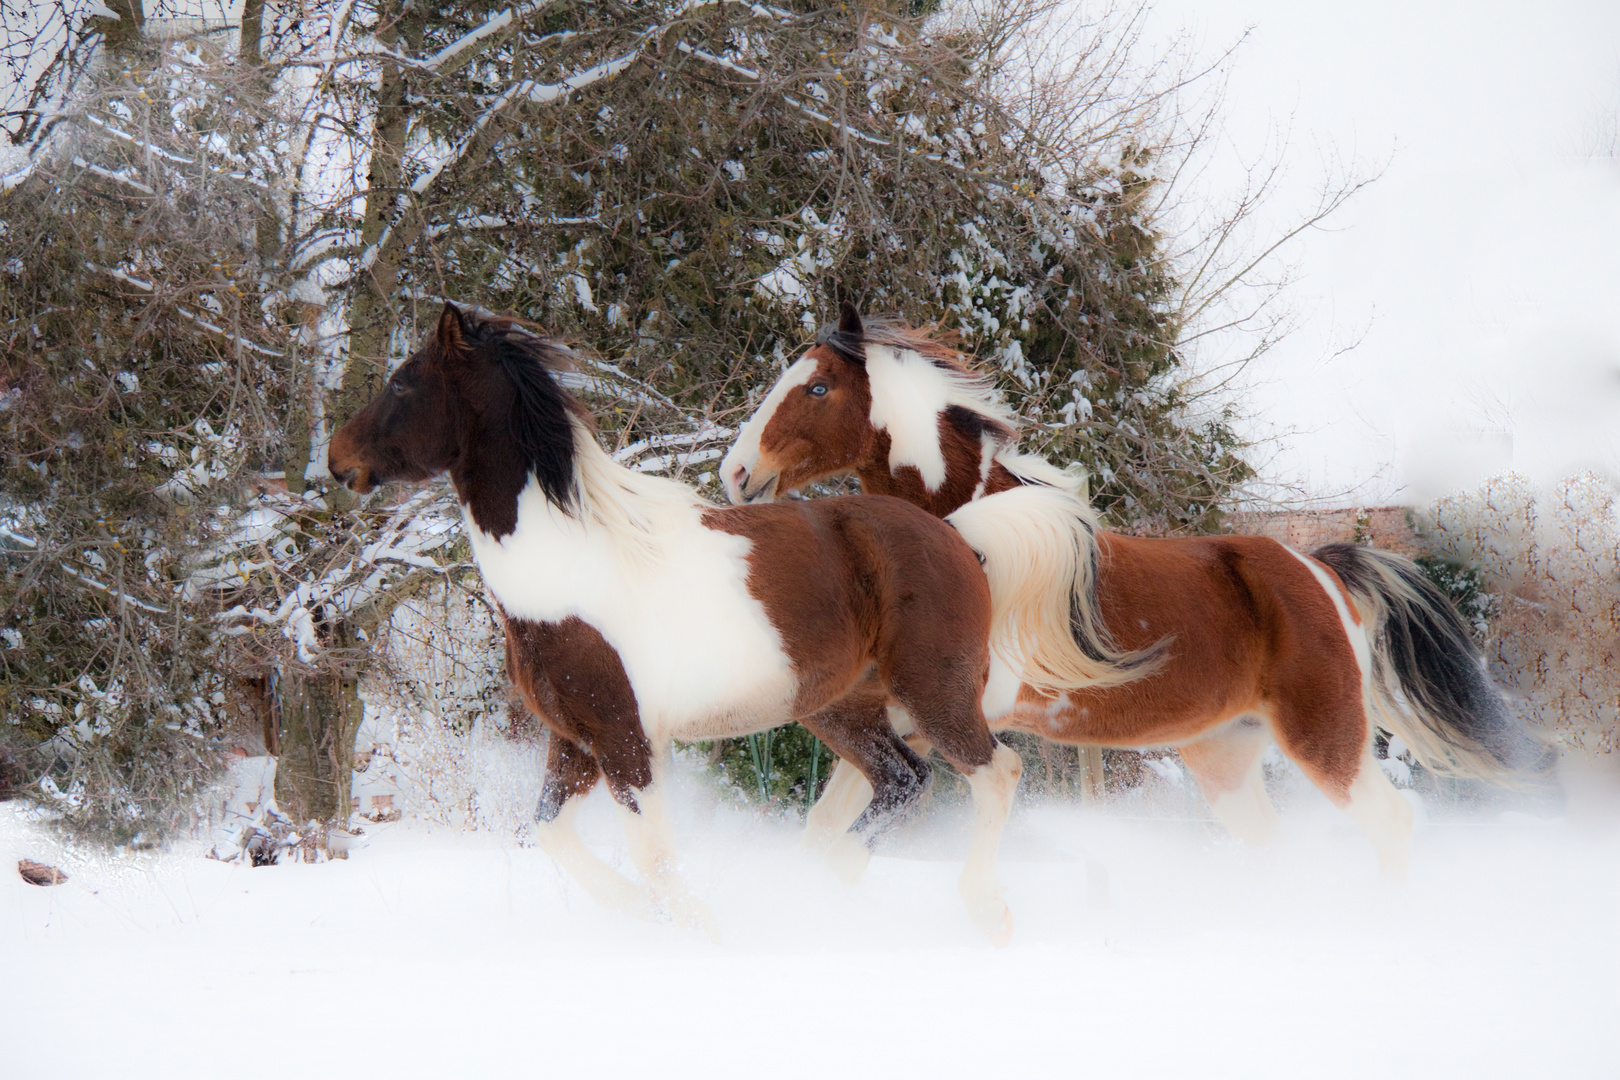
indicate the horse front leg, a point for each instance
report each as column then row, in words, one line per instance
column 571, row 773
column 644, row 812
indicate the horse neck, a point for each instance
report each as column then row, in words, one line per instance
column 489, row 475
column 971, row 472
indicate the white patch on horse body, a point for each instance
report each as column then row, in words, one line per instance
column 745, row 451
column 987, row 461
column 1352, row 629
column 1001, row 690
column 669, row 595
column 1037, row 470
column 909, row 392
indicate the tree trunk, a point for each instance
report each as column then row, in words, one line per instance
column 320, row 717
column 372, row 318
column 1091, row 775
column 252, row 31
column 128, row 30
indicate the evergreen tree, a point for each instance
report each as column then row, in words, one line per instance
column 255, row 232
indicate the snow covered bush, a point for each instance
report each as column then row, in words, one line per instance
column 217, row 247
column 1550, row 562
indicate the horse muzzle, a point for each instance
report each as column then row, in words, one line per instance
column 745, row 489
column 357, row 478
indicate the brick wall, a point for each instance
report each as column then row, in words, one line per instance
column 1385, row 527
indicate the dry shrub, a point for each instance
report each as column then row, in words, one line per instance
column 1552, row 561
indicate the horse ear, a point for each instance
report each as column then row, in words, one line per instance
column 849, row 321
column 452, row 329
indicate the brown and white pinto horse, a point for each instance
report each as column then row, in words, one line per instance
column 636, row 613
column 1209, row 645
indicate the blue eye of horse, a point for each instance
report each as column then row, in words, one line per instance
column 819, row 390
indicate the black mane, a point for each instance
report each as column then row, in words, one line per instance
column 542, row 416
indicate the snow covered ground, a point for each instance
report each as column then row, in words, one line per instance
column 1144, row 948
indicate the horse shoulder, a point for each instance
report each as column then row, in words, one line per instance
column 574, row 680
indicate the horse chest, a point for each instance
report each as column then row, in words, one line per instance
column 700, row 653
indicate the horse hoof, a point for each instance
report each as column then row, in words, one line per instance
column 996, row 925
column 848, row 859
column 694, row 914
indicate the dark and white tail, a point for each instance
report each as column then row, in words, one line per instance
column 1039, row 548
column 1429, row 681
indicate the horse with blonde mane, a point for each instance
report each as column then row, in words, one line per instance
column 637, row 614
column 1211, row 645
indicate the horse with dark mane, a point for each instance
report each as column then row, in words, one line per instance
column 636, row 613
column 1211, row 645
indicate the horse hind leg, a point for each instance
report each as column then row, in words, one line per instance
column 1333, row 746
column 993, row 786
column 846, row 795
column 1384, row 817
column 1226, row 764
column 877, row 780
column 848, row 792
column 946, row 712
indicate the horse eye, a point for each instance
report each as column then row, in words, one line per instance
column 819, row 390
column 399, row 389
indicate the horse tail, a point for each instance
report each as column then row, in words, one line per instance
column 1039, row 549
column 1428, row 679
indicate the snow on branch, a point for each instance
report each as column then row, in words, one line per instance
column 12, row 179
column 708, row 433
column 478, row 37
column 176, row 159
column 115, row 593
column 107, row 174
column 539, row 93
column 18, row 538
column 147, row 286
column 821, row 117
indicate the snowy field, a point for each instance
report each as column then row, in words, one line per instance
column 1143, row 948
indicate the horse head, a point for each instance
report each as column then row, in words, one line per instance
column 814, row 423
column 900, row 407
column 479, row 399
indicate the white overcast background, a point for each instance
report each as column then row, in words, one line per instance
column 1479, row 276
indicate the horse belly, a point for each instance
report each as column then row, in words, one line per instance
column 1124, row 716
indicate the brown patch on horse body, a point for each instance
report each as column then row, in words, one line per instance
column 1232, row 604
column 573, row 679
column 962, row 445
column 923, row 634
